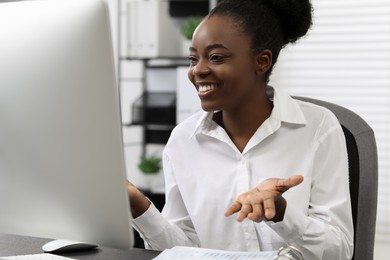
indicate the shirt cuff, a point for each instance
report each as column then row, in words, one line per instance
column 292, row 226
column 151, row 223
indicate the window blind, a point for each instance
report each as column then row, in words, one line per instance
column 345, row 59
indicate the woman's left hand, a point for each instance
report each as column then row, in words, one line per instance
column 265, row 201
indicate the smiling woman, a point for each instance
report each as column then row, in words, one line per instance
column 251, row 147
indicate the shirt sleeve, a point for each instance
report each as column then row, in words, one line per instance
column 325, row 231
column 157, row 232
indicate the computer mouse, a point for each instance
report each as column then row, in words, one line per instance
column 63, row 245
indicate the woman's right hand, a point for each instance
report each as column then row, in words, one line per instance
column 138, row 201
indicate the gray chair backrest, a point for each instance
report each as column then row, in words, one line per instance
column 363, row 175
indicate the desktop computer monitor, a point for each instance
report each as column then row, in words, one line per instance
column 62, row 170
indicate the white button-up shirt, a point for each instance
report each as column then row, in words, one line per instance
column 205, row 172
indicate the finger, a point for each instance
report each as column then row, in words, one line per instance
column 129, row 184
column 235, row 207
column 245, row 210
column 257, row 213
column 269, row 208
column 133, row 191
column 284, row 184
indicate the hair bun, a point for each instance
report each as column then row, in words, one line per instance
column 295, row 16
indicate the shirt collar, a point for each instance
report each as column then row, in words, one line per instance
column 204, row 123
column 286, row 109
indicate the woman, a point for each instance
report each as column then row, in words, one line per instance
column 279, row 163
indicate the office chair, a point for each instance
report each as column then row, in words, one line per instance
column 363, row 176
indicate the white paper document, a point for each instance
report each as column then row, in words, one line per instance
column 44, row 256
column 195, row 253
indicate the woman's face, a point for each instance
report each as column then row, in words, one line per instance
column 222, row 66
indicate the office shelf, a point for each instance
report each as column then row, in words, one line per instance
column 180, row 8
column 156, row 112
column 155, row 108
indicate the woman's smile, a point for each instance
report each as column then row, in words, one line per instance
column 205, row 88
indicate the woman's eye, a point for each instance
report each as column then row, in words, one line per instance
column 192, row 60
column 216, row 58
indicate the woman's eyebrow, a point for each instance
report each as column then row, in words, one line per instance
column 215, row 46
column 211, row 47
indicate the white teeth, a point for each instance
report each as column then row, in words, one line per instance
column 205, row 88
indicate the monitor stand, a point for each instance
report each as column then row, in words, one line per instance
column 62, row 245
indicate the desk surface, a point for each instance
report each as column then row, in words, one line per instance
column 20, row 245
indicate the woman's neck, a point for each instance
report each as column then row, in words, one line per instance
column 240, row 124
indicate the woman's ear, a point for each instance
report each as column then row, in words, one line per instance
column 263, row 61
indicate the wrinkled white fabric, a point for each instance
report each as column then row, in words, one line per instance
column 204, row 172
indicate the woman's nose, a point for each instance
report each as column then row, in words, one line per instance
column 201, row 69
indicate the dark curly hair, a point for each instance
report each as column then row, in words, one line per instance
column 271, row 24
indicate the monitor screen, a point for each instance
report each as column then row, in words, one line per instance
column 62, row 169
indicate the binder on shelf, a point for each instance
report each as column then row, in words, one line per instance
column 151, row 31
column 132, row 27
